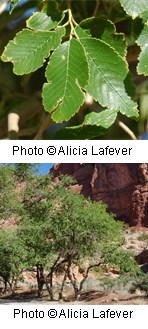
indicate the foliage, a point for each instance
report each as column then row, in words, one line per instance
column 123, row 260
column 25, row 170
column 9, row 199
column 81, row 52
column 12, row 257
column 35, row 224
column 141, row 283
column 69, row 228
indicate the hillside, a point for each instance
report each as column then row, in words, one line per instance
column 123, row 187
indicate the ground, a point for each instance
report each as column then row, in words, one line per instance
column 94, row 293
column 88, row 298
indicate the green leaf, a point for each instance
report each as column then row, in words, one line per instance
column 104, row 30
column 136, row 28
column 29, row 49
column 134, row 7
column 142, row 41
column 94, row 125
column 104, row 119
column 66, row 73
column 144, row 16
column 107, row 74
column 80, row 132
column 43, row 22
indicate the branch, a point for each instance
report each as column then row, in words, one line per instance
column 126, row 129
column 45, row 124
column 96, row 7
column 13, row 125
column 85, row 275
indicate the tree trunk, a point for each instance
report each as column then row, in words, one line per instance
column 73, row 280
column 40, row 279
column 63, row 282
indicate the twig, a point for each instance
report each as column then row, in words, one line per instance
column 126, row 129
column 96, row 7
column 45, row 124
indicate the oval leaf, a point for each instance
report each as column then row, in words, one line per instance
column 107, row 74
column 43, row 22
column 104, row 119
column 134, row 7
column 67, row 73
column 142, row 41
column 29, row 49
column 144, row 16
column 104, row 30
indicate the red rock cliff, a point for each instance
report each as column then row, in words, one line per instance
column 123, row 187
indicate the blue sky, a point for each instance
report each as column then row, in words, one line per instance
column 44, row 168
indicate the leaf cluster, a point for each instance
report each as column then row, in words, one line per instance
column 12, row 255
column 124, row 261
column 10, row 204
column 85, row 61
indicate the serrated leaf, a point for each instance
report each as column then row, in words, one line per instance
column 104, row 30
column 134, row 7
column 67, row 74
column 94, row 125
column 43, row 22
column 107, row 74
column 144, row 16
column 104, row 119
column 142, row 41
column 80, row 132
column 136, row 28
column 29, row 49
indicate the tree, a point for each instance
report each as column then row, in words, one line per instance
column 12, row 258
column 12, row 251
column 25, row 171
column 39, row 196
column 105, row 37
column 10, row 205
column 80, row 229
column 62, row 230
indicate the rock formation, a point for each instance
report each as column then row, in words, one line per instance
column 123, row 187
